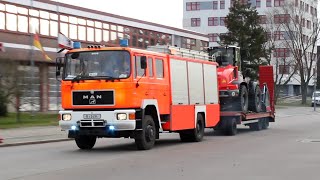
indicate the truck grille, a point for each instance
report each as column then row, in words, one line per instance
column 92, row 123
column 92, row 98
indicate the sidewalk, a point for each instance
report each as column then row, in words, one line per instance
column 31, row 135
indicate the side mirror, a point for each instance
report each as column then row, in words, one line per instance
column 58, row 65
column 143, row 62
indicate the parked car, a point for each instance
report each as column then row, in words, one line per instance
column 315, row 100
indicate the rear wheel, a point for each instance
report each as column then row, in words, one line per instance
column 146, row 138
column 85, row 142
column 194, row 135
column 265, row 124
column 257, row 126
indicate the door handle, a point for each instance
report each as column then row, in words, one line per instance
column 146, row 93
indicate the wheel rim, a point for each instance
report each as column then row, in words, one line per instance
column 149, row 133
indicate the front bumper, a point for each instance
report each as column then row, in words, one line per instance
column 97, row 119
column 317, row 102
column 228, row 93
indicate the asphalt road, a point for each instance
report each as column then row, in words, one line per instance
column 290, row 149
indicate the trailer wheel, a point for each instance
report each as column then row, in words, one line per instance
column 194, row 135
column 257, row 126
column 265, row 124
column 230, row 126
column 255, row 100
column 243, row 101
column 85, row 142
column 146, row 138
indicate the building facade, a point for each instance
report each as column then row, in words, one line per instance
column 208, row 16
column 20, row 20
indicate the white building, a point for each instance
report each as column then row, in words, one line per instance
column 207, row 16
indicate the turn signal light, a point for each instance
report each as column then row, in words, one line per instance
column 132, row 116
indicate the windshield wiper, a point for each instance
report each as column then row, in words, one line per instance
column 79, row 77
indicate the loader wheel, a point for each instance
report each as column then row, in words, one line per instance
column 194, row 135
column 146, row 138
column 243, row 101
column 85, row 142
column 255, row 100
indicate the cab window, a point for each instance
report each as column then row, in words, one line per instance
column 159, row 68
column 150, row 65
column 138, row 71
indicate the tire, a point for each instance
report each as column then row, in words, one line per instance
column 265, row 124
column 85, row 142
column 243, row 99
column 257, row 126
column 229, row 127
column 145, row 139
column 255, row 104
column 194, row 135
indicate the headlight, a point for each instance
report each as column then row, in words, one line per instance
column 66, row 117
column 121, row 116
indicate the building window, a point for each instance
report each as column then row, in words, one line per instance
column 281, row 18
column 213, row 21
column 232, row 3
column 307, row 8
column 281, row 52
column 279, row 35
column 215, row 4
column 258, row 3
column 278, row 3
column 308, row 24
column 222, row 4
column 301, row 5
column 263, row 19
column 193, row 6
column 303, row 22
column 213, row 37
column 284, row 69
column 195, row 22
column 296, row 3
column 269, row 2
column 222, row 19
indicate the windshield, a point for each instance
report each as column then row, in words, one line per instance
column 223, row 56
column 316, row 94
column 97, row 65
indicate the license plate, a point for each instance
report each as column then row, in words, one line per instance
column 92, row 116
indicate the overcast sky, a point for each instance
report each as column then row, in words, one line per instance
column 166, row 12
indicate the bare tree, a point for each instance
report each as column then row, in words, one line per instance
column 13, row 84
column 301, row 32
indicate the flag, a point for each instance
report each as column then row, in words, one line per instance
column 64, row 42
column 37, row 44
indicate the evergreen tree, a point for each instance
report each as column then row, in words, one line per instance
column 245, row 31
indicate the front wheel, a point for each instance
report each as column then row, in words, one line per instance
column 85, row 142
column 145, row 139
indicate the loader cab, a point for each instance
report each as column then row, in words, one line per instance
column 225, row 55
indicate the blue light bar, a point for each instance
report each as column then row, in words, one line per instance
column 76, row 45
column 124, row 43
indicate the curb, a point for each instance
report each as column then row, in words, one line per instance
column 34, row 142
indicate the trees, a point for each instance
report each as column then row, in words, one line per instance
column 300, row 33
column 245, row 31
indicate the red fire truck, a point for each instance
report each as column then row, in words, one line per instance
column 134, row 93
